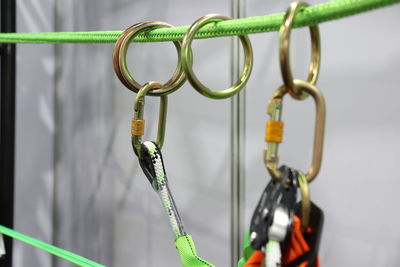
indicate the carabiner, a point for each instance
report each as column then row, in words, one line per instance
column 274, row 130
column 138, row 123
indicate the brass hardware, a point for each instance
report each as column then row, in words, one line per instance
column 137, row 127
column 305, row 200
column 274, row 131
column 121, row 69
column 275, row 110
column 284, row 40
column 187, row 59
column 138, row 115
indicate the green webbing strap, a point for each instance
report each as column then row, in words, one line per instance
column 187, row 252
column 69, row 256
column 309, row 16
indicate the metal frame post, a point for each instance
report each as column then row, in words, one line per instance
column 238, row 120
column 7, row 130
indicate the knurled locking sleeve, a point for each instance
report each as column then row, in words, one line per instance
column 137, row 127
column 274, row 131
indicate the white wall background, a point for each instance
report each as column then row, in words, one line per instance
column 78, row 182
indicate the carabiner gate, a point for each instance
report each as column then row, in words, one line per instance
column 138, row 123
column 274, row 130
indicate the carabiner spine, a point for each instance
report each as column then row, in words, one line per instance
column 273, row 135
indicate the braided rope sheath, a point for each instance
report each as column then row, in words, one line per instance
column 312, row 15
column 158, row 178
column 163, row 190
column 273, row 253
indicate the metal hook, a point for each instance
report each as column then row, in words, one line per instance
column 275, row 130
column 138, row 123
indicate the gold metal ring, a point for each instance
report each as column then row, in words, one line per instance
column 284, row 40
column 187, row 59
column 121, row 69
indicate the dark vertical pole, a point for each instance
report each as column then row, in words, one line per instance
column 7, row 130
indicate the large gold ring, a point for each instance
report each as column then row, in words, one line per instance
column 187, row 60
column 121, row 69
column 284, row 40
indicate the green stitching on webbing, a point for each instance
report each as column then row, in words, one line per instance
column 194, row 252
column 308, row 16
column 187, row 252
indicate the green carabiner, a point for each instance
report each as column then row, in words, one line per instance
column 138, row 123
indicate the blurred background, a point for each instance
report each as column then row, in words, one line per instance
column 78, row 183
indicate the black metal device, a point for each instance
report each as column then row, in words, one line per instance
column 280, row 192
column 7, row 124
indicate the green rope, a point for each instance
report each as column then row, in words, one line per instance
column 69, row 256
column 309, row 16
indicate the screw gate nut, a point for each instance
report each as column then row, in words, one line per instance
column 274, row 131
column 137, row 127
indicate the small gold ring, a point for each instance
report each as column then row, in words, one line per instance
column 121, row 69
column 187, row 59
column 284, row 40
